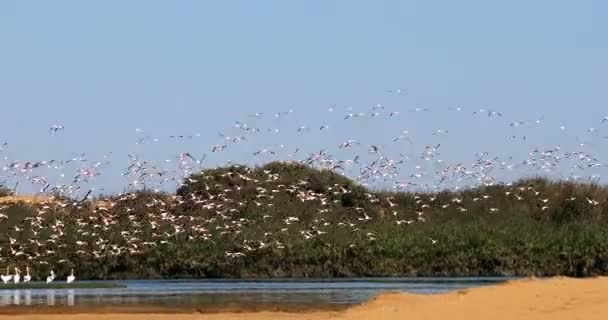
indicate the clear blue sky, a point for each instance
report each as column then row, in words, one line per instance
column 181, row 67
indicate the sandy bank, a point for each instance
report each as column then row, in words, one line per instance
column 556, row 299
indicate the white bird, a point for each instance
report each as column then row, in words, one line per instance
column 17, row 276
column 398, row 91
column 51, row 277
column 56, row 128
column 7, row 277
column 219, row 147
column 27, row 278
column 71, row 277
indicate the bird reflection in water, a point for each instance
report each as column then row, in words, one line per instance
column 50, row 297
column 70, row 297
column 16, row 297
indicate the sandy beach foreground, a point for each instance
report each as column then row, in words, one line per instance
column 556, row 299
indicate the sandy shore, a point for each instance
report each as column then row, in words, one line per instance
column 555, row 299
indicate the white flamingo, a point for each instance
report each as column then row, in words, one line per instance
column 27, row 278
column 71, row 277
column 7, row 277
column 17, row 276
column 51, row 277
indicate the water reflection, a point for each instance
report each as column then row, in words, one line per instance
column 50, row 297
column 17, row 297
column 6, row 297
column 70, row 297
column 213, row 293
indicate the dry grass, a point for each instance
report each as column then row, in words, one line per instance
column 25, row 198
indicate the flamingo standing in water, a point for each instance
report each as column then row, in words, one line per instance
column 7, row 277
column 71, row 277
column 17, row 276
column 27, row 278
column 51, row 277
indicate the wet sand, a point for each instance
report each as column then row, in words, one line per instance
column 555, row 299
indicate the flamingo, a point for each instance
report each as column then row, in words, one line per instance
column 6, row 278
column 71, row 277
column 51, row 277
column 17, row 276
column 27, row 278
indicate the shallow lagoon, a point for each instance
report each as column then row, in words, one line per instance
column 187, row 294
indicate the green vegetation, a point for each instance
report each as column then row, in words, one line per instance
column 4, row 191
column 61, row 285
column 228, row 222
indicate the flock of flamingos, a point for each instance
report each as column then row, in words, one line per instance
column 399, row 158
column 16, row 277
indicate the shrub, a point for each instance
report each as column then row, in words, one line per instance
column 4, row 191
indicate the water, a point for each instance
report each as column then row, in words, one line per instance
column 214, row 293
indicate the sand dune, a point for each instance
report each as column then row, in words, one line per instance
column 555, row 299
